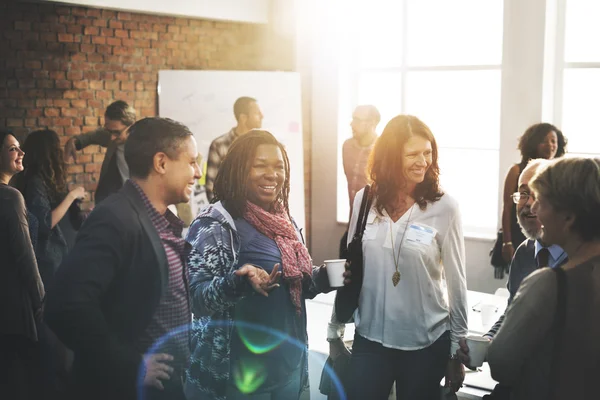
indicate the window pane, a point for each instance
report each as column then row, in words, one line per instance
column 581, row 99
column 462, row 108
column 458, row 32
column 383, row 90
column 581, row 29
column 466, row 175
column 378, row 31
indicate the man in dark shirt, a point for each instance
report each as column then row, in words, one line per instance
column 121, row 298
column 118, row 118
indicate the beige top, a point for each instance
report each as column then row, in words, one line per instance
column 521, row 354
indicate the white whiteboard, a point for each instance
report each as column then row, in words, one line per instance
column 203, row 100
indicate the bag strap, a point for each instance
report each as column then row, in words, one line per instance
column 365, row 205
column 561, row 316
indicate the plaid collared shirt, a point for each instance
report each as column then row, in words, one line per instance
column 168, row 332
column 216, row 153
column 355, row 159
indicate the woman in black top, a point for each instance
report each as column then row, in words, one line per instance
column 539, row 141
column 44, row 186
column 21, row 288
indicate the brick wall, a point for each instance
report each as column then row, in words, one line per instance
column 60, row 66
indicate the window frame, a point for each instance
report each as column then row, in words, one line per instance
column 350, row 83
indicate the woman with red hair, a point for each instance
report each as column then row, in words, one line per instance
column 412, row 307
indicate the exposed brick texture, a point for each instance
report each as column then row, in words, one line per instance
column 60, row 66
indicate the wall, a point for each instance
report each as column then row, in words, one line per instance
column 62, row 65
column 255, row 11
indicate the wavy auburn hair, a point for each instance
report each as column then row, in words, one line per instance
column 44, row 158
column 386, row 168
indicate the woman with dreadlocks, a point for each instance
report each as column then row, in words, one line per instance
column 44, row 187
column 249, row 275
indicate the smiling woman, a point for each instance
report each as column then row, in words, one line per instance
column 406, row 330
column 20, row 283
column 240, row 244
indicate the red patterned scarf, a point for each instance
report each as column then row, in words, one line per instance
column 295, row 260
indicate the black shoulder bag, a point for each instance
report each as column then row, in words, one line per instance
column 346, row 298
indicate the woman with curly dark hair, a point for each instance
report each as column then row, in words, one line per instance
column 412, row 308
column 239, row 242
column 541, row 140
column 44, row 187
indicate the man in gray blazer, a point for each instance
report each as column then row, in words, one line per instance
column 119, row 116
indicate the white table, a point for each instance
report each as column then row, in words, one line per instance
column 476, row 384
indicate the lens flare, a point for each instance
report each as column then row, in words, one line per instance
column 249, row 375
column 257, row 340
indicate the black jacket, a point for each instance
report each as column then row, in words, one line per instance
column 106, row 293
column 21, row 288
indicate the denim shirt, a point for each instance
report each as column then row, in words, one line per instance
column 282, row 351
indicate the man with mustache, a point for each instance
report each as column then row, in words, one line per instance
column 530, row 255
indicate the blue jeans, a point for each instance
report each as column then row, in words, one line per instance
column 374, row 369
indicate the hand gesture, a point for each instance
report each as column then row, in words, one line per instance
column 78, row 193
column 455, row 375
column 70, row 151
column 463, row 353
column 157, row 369
column 347, row 274
column 261, row 282
column 338, row 348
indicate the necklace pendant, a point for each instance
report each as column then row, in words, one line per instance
column 396, row 278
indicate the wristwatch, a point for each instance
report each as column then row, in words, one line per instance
column 453, row 357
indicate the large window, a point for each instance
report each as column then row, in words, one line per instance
column 441, row 61
column 578, row 95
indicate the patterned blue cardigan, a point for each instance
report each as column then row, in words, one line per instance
column 214, row 291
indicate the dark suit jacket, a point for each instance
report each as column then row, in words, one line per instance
column 110, row 180
column 105, row 294
column 21, row 288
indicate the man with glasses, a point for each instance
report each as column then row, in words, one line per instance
column 529, row 256
column 119, row 116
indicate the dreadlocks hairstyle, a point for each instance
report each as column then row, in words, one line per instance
column 385, row 163
column 44, row 158
column 231, row 183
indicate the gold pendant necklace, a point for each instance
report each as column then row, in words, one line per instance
column 396, row 276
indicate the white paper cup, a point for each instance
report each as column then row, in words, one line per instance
column 488, row 315
column 335, row 272
column 477, row 350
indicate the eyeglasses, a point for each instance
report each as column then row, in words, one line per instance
column 521, row 197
